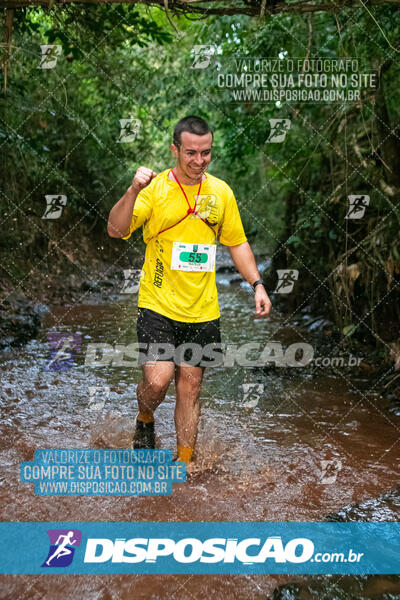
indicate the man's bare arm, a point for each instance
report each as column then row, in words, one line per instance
column 120, row 217
column 243, row 258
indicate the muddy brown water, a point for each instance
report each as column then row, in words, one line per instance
column 253, row 464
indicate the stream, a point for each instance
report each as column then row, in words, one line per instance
column 309, row 444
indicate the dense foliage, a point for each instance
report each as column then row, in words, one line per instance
column 60, row 129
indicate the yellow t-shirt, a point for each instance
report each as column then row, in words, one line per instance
column 183, row 295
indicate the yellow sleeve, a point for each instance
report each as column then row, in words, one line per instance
column 231, row 233
column 141, row 212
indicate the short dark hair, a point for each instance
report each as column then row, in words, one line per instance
column 192, row 124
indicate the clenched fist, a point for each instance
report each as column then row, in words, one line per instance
column 142, row 178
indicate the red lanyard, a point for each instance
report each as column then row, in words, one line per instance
column 190, row 210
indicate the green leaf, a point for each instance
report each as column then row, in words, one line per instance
column 349, row 330
column 294, row 239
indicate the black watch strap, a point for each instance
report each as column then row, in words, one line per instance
column 258, row 282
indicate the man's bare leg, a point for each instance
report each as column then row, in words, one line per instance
column 154, row 385
column 150, row 393
column 188, row 381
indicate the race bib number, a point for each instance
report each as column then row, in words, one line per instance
column 193, row 257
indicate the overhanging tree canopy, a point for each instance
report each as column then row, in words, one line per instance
column 120, row 59
column 217, row 7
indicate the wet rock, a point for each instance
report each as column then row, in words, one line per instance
column 235, row 279
column 390, row 389
column 264, row 265
column 306, row 309
column 395, row 407
column 107, row 283
column 340, row 587
column 20, row 320
column 226, row 269
column 314, row 323
column 319, row 324
column 40, row 309
column 286, row 592
column 385, row 507
column 90, row 286
column 110, row 298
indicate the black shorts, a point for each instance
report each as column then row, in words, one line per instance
column 162, row 338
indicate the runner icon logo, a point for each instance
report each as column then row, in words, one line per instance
column 129, row 130
column 206, row 208
column 63, row 543
column 251, row 394
column 131, row 283
column 202, row 56
column 287, row 279
column 98, row 395
column 50, row 53
column 63, row 350
column 330, row 470
column 279, row 129
column 54, row 206
column 357, row 206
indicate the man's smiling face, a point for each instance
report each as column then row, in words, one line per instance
column 194, row 154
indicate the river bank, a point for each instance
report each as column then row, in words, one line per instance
column 82, row 273
column 100, row 278
column 260, row 462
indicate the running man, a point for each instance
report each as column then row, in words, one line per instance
column 62, row 549
column 359, row 204
column 64, row 351
column 183, row 211
column 288, row 279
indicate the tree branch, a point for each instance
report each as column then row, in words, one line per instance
column 8, row 29
column 180, row 6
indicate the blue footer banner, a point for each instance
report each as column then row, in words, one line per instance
column 200, row 548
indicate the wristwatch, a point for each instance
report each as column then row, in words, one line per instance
column 256, row 283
